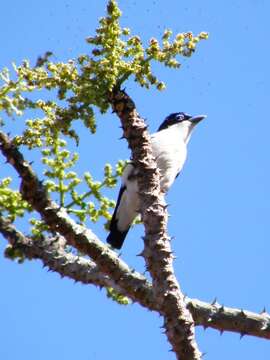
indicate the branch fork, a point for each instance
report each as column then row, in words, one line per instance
column 105, row 268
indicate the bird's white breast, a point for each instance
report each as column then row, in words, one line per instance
column 170, row 150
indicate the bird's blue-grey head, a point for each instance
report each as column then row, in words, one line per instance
column 180, row 117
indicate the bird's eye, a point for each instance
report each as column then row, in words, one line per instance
column 180, row 117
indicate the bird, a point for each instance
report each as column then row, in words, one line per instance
column 169, row 147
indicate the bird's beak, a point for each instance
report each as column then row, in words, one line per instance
column 196, row 119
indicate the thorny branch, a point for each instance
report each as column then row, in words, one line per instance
column 78, row 236
column 52, row 254
column 178, row 322
column 51, row 251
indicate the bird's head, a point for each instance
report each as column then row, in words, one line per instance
column 182, row 119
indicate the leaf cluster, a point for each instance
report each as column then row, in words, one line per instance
column 115, row 296
column 75, row 89
column 11, row 203
column 118, row 54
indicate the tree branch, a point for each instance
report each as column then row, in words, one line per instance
column 178, row 322
column 51, row 253
column 76, row 235
column 224, row 318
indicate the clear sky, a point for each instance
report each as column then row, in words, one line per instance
column 219, row 206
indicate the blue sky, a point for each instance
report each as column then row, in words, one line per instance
column 219, row 206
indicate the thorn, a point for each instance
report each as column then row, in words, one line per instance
column 140, row 254
column 242, row 335
column 113, row 111
column 214, row 302
column 203, row 354
column 221, row 309
column 205, row 327
column 164, row 206
column 242, row 313
column 121, row 137
column 263, row 311
column 221, row 332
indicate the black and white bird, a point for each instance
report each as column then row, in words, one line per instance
column 169, row 146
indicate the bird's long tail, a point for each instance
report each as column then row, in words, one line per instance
column 116, row 238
